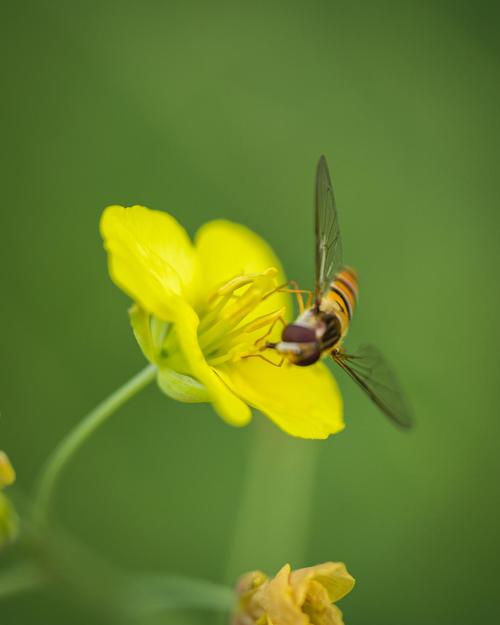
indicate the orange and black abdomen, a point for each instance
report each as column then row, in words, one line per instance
column 344, row 291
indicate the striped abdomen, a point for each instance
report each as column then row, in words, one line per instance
column 343, row 295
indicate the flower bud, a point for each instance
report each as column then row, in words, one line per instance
column 302, row 597
column 7, row 473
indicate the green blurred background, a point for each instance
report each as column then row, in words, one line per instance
column 221, row 110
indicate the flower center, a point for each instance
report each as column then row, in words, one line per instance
column 233, row 323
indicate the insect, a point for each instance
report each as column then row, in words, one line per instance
column 323, row 322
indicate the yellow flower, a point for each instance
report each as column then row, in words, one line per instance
column 302, row 597
column 8, row 516
column 200, row 310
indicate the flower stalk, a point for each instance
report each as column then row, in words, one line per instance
column 76, row 437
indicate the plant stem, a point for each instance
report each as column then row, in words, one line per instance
column 76, row 437
column 273, row 514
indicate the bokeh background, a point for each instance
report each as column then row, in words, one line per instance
column 212, row 109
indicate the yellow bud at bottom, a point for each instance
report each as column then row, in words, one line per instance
column 302, row 597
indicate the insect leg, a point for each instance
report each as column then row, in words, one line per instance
column 298, row 292
column 310, row 298
column 268, row 360
column 271, row 328
column 283, row 288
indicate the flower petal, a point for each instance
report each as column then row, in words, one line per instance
column 303, row 401
column 333, row 576
column 319, row 608
column 150, row 257
column 226, row 403
column 227, row 249
column 206, row 386
column 277, row 601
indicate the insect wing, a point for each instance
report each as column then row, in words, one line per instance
column 369, row 369
column 327, row 231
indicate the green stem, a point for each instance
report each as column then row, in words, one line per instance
column 272, row 525
column 75, row 439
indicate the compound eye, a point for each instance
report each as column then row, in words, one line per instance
column 294, row 333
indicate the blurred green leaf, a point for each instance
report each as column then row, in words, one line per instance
column 150, row 594
column 19, row 578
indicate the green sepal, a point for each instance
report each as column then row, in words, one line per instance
column 181, row 387
column 149, row 333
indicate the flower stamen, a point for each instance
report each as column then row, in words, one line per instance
column 222, row 335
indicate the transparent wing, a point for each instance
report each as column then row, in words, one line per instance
column 375, row 376
column 328, row 241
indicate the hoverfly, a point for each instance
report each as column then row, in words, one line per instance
column 322, row 324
